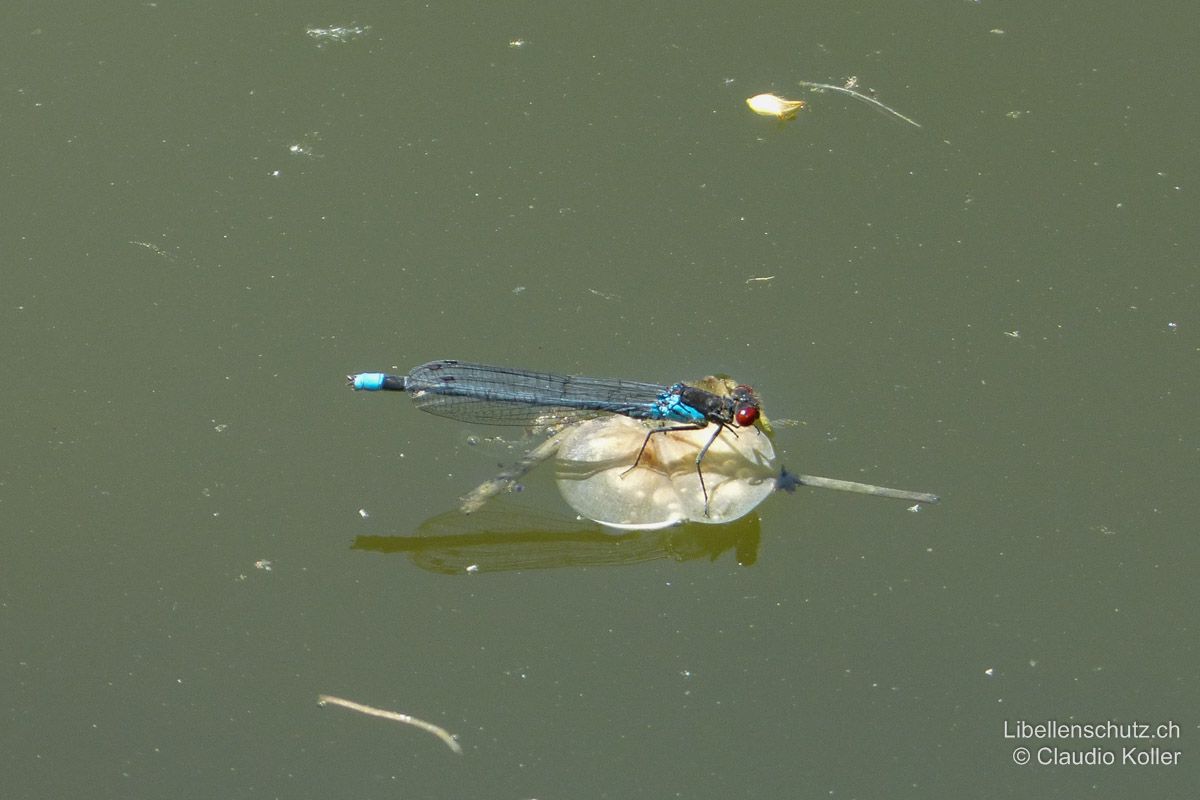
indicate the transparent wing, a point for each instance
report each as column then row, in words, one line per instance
column 506, row 396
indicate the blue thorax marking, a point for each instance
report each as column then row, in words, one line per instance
column 670, row 406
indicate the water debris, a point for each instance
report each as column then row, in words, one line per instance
column 395, row 716
column 769, row 105
column 305, row 146
column 509, row 477
column 153, row 248
column 336, row 34
column 849, row 89
column 788, row 481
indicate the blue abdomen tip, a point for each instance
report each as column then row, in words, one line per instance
column 369, row 381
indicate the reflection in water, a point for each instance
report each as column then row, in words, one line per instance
column 501, row 540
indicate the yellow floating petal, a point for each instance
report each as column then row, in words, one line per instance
column 770, row 105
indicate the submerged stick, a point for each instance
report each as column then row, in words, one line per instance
column 428, row 727
column 508, row 477
column 860, row 96
column 788, row 482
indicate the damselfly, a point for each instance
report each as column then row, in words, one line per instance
column 504, row 396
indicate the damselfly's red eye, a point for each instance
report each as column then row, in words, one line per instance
column 745, row 405
column 746, row 416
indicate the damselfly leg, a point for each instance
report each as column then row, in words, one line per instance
column 699, row 456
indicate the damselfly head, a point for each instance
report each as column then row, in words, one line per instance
column 746, row 406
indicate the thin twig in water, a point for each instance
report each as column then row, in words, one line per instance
column 860, row 96
column 789, row 481
column 506, row 481
column 428, row 727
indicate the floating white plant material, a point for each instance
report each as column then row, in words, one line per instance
column 597, row 477
column 850, row 90
column 337, row 34
column 395, row 716
column 769, row 105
